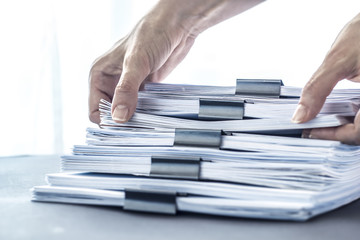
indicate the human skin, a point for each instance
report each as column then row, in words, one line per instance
column 155, row 46
column 341, row 62
column 164, row 36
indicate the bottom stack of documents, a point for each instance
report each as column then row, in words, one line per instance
column 170, row 196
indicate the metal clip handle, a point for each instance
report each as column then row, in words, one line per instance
column 259, row 87
column 197, row 138
column 180, row 167
column 221, row 109
column 150, row 201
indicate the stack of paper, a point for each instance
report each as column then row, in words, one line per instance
column 190, row 107
column 185, row 101
column 143, row 120
column 223, row 91
column 167, row 159
column 279, row 162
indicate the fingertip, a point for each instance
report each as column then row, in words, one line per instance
column 124, row 104
column 301, row 114
column 120, row 114
column 95, row 117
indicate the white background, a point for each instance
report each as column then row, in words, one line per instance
column 47, row 48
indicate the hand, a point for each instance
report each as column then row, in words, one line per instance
column 341, row 62
column 157, row 44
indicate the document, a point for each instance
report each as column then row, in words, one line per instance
column 229, row 151
column 280, row 162
column 197, row 196
column 191, row 106
column 143, row 120
column 224, row 91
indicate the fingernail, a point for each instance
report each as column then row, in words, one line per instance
column 300, row 114
column 120, row 113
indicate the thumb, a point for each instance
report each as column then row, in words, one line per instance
column 126, row 92
column 315, row 92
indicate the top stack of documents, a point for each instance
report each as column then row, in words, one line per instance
column 229, row 151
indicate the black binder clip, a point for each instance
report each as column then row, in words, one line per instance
column 197, row 137
column 221, row 109
column 259, row 87
column 179, row 167
column 150, row 201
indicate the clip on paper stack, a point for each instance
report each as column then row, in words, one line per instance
column 229, row 151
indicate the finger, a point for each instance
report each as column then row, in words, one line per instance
column 345, row 134
column 135, row 70
column 349, row 133
column 316, row 90
column 101, row 86
column 94, row 100
column 104, row 76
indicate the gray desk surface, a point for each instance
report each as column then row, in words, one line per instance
column 22, row 219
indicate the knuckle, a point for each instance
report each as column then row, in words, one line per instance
column 125, row 86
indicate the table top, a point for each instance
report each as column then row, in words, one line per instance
column 22, row 219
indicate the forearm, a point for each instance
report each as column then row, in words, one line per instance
column 195, row 16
